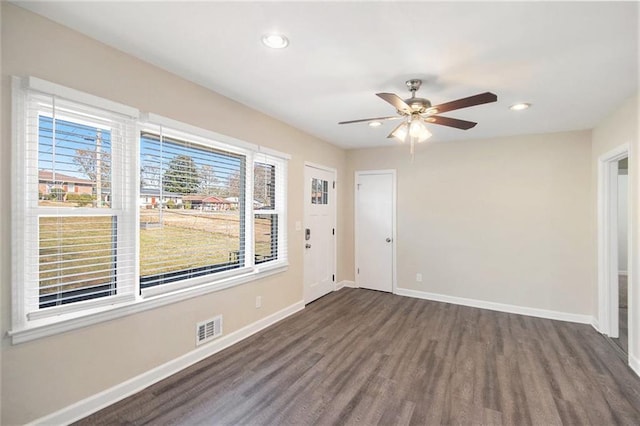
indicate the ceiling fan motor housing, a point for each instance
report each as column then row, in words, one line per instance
column 419, row 105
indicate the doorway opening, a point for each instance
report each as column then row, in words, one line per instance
column 613, row 246
column 622, row 341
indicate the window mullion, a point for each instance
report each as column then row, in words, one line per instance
column 281, row 208
column 249, row 241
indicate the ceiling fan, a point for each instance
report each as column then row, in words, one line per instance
column 418, row 111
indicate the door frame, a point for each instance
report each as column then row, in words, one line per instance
column 608, row 242
column 334, row 172
column 394, row 191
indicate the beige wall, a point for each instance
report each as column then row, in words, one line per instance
column 618, row 128
column 503, row 220
column 45, row 375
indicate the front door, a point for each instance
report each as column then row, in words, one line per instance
column 319, row 232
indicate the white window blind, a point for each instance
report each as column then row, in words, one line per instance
column 74, row 186
column 193, row 208
column 269, row 206
column 107, row 210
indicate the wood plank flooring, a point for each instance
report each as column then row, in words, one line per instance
column 623, row 314
column 364, row 357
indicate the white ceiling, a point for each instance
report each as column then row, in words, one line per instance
column 574, row 61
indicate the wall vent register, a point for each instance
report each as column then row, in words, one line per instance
column 208, row 330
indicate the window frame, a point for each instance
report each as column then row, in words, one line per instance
column 279, row 206
column 27, row 111
column 28, row 324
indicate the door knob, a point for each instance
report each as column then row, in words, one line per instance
column 388, row 240
column 307, row 245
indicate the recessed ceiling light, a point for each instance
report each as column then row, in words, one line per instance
column 375, row 124
column 519, row 107
column 275, row 41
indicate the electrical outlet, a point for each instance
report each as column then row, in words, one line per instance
column 419, row 277
column 258, row 301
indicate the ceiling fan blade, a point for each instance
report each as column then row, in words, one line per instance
column 482, row 98
column 451, row 122
column 396, row 101
column 395, row 117
column 394, row 130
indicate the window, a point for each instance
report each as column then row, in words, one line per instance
column 266, row 217
column 109, row 210
column 193, row 215
column 72, row 202
column 319, row 191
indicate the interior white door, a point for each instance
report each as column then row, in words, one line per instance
column 375, row 245
column 319, row 232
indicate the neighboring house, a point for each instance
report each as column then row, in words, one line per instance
column 47, row 182
column 207, row 202
column 234, row 202
column 150, row 197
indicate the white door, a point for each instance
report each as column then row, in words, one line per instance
column 319, row 232
column 375, row 216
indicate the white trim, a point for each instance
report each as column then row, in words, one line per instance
column 84, row 318
column 159, row 120
column 118, row 392
column 394, row 247
column 347, row 283
column 274, row 153
column 500, row 307
column 608, row 239
column 634, row 363
column 49, row 88
column 180, row 126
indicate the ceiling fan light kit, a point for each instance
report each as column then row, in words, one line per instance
column 416, row 112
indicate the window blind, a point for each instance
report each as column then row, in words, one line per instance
column 269, row 206
column 192, row 208
column 77, row 184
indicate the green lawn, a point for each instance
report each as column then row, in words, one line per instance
column 78, row 251
column 172, row 248
column 75, row 252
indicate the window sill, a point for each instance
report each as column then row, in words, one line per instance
column 71, row 321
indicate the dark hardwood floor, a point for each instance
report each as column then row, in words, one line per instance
column 622, row 341
column 359, row 356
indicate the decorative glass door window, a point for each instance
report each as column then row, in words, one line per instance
column 319, row 191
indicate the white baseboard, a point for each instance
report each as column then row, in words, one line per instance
column 501, row 307
column 112, row 395
column 596, row 324
column 346, row 283
column 634, row 363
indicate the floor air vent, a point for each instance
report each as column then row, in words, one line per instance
column 208, row 330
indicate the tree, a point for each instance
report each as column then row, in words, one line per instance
column 232, row 189
column 209, row 183
column 182, row 176
column 263, row 185
column 150, row 176
column 91, row 163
